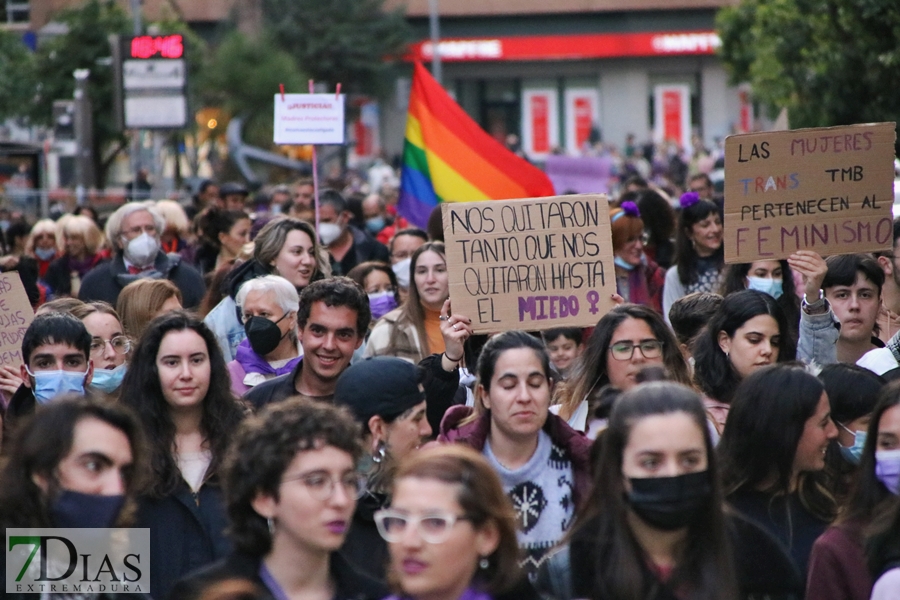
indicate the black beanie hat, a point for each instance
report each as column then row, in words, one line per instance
column 383, row 385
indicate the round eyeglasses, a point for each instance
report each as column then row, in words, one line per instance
column 120, row 345
column 434, row 528
column 321, row 485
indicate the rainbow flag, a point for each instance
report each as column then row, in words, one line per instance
column 447, row 157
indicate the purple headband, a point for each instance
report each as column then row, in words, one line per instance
column 688, row 199
column 628, row 208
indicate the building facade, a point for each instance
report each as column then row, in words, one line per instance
column 571, row 72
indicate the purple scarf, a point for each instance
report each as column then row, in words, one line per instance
column 469, row 594
column 254, row 363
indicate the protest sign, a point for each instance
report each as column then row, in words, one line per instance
column 530, row 264
column 828, row 190
column 15, row 317
column 309, row 118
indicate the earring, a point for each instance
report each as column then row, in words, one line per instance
column 379, row 452
column 483, row 563
column 271, row 525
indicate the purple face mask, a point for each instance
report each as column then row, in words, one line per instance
column 887, row 469
column 381, row 303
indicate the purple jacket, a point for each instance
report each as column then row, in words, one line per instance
column 474, row 435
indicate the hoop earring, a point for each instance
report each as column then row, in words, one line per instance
column 380, row 452
column 270, row 523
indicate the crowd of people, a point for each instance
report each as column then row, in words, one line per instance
column 292, row 407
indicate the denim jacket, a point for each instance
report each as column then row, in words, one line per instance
column 818, row 336
column 223, row 322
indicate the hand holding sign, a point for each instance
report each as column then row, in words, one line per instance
column 455, row 330
column 812, row 267
column 10, row 380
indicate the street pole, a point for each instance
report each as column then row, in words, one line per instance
column 84, row 164
column 435, row 40
column 136, row 134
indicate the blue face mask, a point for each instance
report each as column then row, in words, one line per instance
column 108, row 380
column 375, row 224
column 623, row 265
column 853, row 454
column 772, row 287
column 50, row 384
column 45, row 253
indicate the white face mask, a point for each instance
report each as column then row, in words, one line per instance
column 142, row 250
column 401, row 270
column 328, row 232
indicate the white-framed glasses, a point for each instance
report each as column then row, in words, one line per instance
column 434, row 528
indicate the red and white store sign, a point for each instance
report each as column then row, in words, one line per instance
column 540, row 125
column 673, row 114
column 569, row 47
column 582, row 115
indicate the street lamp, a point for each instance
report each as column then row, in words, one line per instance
column 84, row 164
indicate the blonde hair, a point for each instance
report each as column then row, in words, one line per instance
column 87, row 229
column 140, row 300
column 43, row 226
column 174, row 216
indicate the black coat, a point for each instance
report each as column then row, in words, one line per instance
column 351, row 585
column 364, row 248
column 187, row 532
column 763, row 567
column 786, row 518
column 106, row 280
column 442, row 390
column 273, row 390
column 364, row 548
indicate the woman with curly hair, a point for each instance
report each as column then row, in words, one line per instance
column 290, row 486
column 179, row 387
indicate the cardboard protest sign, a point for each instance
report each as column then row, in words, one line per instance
column 309, row 119
column 15, row 317
column 828, row 189
column 530, row 264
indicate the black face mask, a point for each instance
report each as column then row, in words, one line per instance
column 74, row 509
column 669, row 503
column 264, row 335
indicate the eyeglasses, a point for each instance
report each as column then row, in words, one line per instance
column 625, row 350
column 434, row 528
column 120, row 344
column 321, row 485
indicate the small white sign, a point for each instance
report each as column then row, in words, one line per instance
column 153, row 74
column 309, row 119
column 155, row 112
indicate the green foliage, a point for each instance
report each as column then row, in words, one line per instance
column 16, row 75
column 340, row 41
column 242, row 77
column 829, row 62
column 86, row 43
